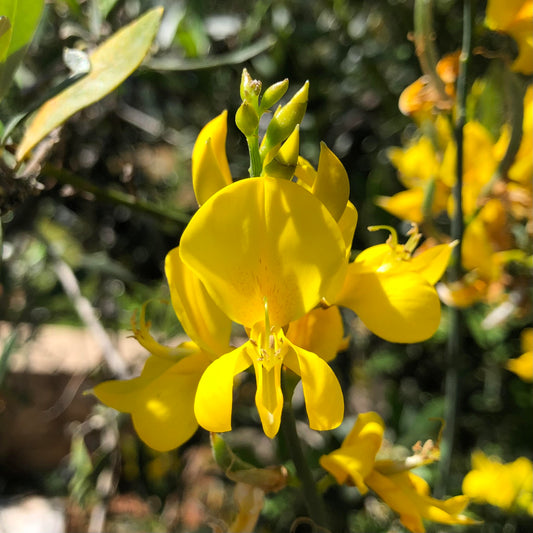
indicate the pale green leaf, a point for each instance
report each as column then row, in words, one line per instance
column 18, row 22
column 23, row 16
column 111, row 63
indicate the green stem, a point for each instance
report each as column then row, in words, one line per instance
column 256, row 164
column 514, row 93
column 455, row 339
column 424, row 37
column 313, row 501
column 113, row 196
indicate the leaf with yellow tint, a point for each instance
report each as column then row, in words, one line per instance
column 111, row 63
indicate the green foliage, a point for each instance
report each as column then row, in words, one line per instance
column 111, row 191
column 111, row 63
column 18, row 21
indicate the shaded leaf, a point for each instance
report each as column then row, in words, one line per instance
column 111, row 63
column 171, row 62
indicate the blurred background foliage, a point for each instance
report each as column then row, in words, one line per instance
column 138, row 141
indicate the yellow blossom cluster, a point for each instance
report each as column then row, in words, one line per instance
column 271, row 252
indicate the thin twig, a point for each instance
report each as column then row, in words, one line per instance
column 114, row 196
column 424, row 38
column 85, row 310
column 455, row 339
column 313, row 501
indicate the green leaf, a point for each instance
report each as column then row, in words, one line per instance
column 111, row 63
column 175, row 63
column 80, row 485
column 105, row 7
column 18, row 21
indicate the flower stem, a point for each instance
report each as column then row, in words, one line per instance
column 313, row 501
column 425, row 48
column 114, row 196
column 455, row 339
column 256, row 165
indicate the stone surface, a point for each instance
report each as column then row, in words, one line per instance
column 32, row 514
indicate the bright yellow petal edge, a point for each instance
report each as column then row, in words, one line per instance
column 265, row 238
column 160, row 400
column 210, row 168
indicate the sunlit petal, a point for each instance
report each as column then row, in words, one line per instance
column 200, row 317
column 269, row 398
column 356, row 457
column 347, row 225
column 160, row 400
column 305, row 173
column 320, row 331
column 332, row 186
column 432, row 263
column 210, row 168
column 408, row 495
column 324, row 401
column 398, row 308
column 265, row 238
column 214, row 397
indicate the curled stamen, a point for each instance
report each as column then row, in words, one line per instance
column 141, row 331
column 414, row 238
column 392, row 241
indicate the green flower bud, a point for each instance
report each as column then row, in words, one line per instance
column 273, row 94
column 247, row 119
column 250, row 89
column 269, row 479
column 283, row 164
column 285, row 120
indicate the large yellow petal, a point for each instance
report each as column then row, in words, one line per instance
column 200, row 317
column 265, row 238
column 160, row 400
column 210, row 168
column 324, row 401
column 320, row 331
column 214, row 397
column 398, row 308
column 269, row 397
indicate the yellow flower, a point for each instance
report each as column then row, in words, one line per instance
column 268, row 252
column 418, row 167
column 505, row 485
column 161, row 399
column 486, row 249
column 393, row 292
column 404, row 492
column 420, row 98
column 514, row 17
column 427, row 168
column 522, row 168
column 523, row 366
